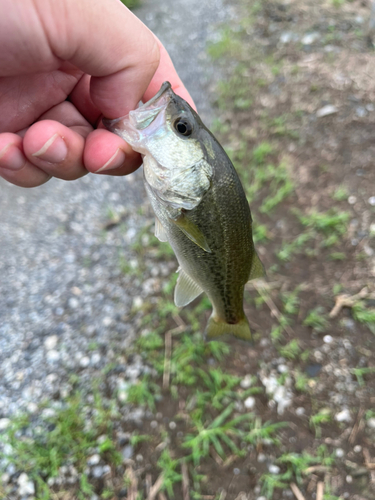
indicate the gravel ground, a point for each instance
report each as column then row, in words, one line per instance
column 61, row 289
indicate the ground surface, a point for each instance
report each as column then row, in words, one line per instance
column 135, row 402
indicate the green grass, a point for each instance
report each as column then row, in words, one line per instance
column 317, row 320
column 64, row 437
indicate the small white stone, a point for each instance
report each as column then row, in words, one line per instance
column 261, row 498
column 273, row 469
column 26, row 487
column 32, row 408
column 329, row 109
column 84, row 362
column 261, row 457
column 343, row 416
column 107, row 321
column 246, row 382
column 371, row 423
column 371, row 200
column 4, row 423
column 300, row 411
column 328, row 339
column 339, row 453
column 310, row 38
column 5, row 478
column 357, row 449
column 282, row 368
column 349, row 479
column 139, row 458
column 172, row 425
column 249, row 403
column 236, row 471
column 53, row 356
column 94, row 459
column 51, row 342
column 137, row 302
column 153, row 424
column 48, row 413
column 73, row 303
column 352, row 200
column 95, row 358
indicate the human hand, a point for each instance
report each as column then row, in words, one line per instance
column 49, row 49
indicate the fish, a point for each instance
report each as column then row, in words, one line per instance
column 200, row 207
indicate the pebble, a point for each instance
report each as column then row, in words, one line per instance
column 339, row 453
column 343, row 416
column 349, row 479
column 172, row 425
column 246, row 381
column 300, row 411
column 84, row 361
column 357, row 448
column 4, row 423
column 261, row 498
column 26, row 487
column 5, row 478
column 310, row 38
column 97, row 471
column 94, row 459
column 153, row 424
column 371, row 423
column 361, row 111
column 127, row 452
column 352, row 200
column 273, row 469
column 261, row 457
column 249, row 403
column 51, row 342
column 371, row 200
column 236, row 471
column 328, row 339
column 329, row 109
column 53, row 355
column 139, row 458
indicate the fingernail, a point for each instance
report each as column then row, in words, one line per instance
column 115, row 161
column 53, row 151
column 12, row 158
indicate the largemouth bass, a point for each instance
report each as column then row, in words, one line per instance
column 200, row 206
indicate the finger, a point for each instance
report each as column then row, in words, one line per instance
column 107, row 153
column 166, row 72
column 14, row 166
column 55, row 149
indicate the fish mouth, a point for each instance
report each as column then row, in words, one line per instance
column 130, row 126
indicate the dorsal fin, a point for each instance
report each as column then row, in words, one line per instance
column 186, row 290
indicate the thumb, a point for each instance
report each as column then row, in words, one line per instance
column 105, row 40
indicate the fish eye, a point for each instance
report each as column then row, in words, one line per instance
column 183, row 127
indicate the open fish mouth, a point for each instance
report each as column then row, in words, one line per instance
column 132, row 127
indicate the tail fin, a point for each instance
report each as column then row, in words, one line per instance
column 216, row 328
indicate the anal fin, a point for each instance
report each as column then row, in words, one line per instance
column 186, row 290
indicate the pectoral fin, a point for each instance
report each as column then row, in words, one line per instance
column 186, row 290
column 160, row 231
column 192, row 232
column 257, row 269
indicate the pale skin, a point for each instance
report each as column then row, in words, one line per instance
column 96, row 54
